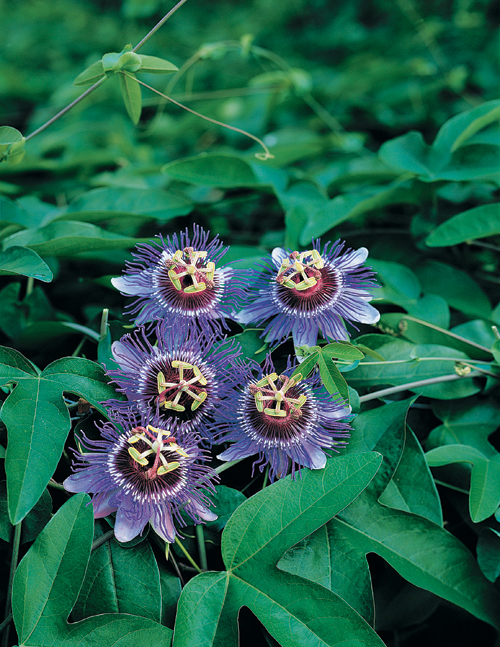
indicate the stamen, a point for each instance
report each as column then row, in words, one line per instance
column 170, row 393
column 266, row 390
column 288, row 271
column 157, row 444
column 190, row 263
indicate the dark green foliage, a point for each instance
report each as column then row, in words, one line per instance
column 373, row 122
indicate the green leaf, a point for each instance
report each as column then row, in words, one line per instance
column 252, row 345
column 488, row 553
column 82, row 377
column 38, row 424
column 400, row 285
column 215, row 170
column 47, row 583
column 225, row 501
column 467, row 422
column 14, row 366
column 11, row 145
column 420, row 331
column 333, row 380
column 109, row 203
column 33, row 523
column 21, row 260
column 484, row 496
column 455, row 286
column 293, row 611
column 412, row 487
column 155, row 65
column 67, row 238
column 457, row 130
column 416, row 367
column 421, row 551
column 120, row 580
column 310, row 361
column 479, row 222
column 326, row 215
column 431, row 308
column 342, row 350
column 91, row 75
column 132, row 96
column 49, row 577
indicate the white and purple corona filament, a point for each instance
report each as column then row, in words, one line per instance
column 144, row 474
column 286, row 421
column 176, row 279
column 180, row 378
column 307, row 292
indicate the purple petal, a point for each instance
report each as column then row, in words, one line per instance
column 365, row 313
column 315, row 459
column 130, row 522
column 163, row 524
column 204, row 512
column 83, row 481
column 278, row 255
column 237, row 451
column 355, row 258
column 305, row 333
column 102, row 506
column 132, row 286
column 338, row 414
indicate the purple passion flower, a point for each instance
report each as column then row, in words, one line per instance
column 177, row 279
column 287, row 421
column 302, row 293
column 144, row 475
column 181, row 379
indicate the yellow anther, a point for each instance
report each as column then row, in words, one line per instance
column 172, row 275
column 195, row 288
column 275, row 413
column 198, row 399
column 169, row 468
column 179, row 450
column 177, row 363
column 168, row 404
column 201, row 379
column 210, row 269
column 138, row 458
column 259, row 401
column 133, row 439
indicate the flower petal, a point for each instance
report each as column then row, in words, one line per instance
column 132, row 286
column 204, row 512
column 102, row 506
column 305, row 332
column 315, row 458
column 83, row 481
column 130, row 520
column 238, row 451
column 163, row 523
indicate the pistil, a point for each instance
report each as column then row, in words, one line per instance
column 298, row 266
column 169, row 393
column 265, row 392
column 191, row 263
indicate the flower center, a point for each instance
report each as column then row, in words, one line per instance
column 301, row 270
column 266, row 392
column 188, row 271
column 156, row 446
column 171, row 392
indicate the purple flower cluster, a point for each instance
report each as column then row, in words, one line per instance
column 185, row 387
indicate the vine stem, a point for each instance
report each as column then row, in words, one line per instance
column 413, row 385
column 187, row 555
column 13, row 566
column 200, row 538
column 158, row 25
column 263, row 156
column 105, row 78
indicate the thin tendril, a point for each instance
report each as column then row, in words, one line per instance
column 262, row 156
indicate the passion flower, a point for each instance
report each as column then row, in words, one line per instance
column 144, row 474
column 307, row 292
column 286, row 420
column 177, row 279
column 181, row 378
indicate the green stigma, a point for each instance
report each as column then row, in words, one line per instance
column 288, row 270
column 184, row 263
column 266, row 393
